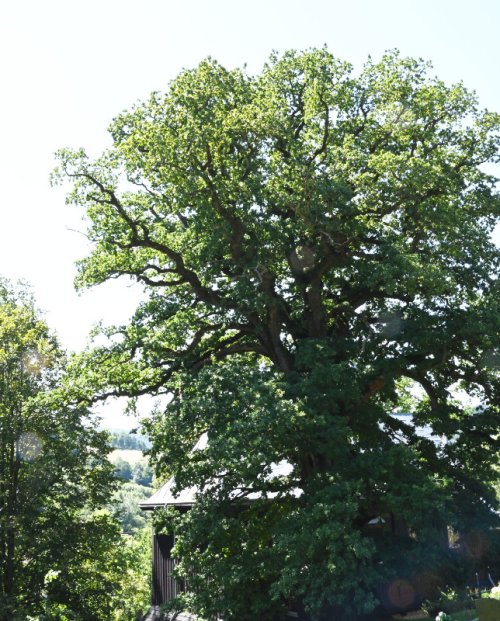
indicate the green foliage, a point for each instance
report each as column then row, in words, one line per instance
column 142, row 473
column 136, row 479
column 123, row 469
column 493, row 594
column 83, row 586
column 132, row 465
column 113, row 583
column 125, row 504
column 313, row 244
column 55, row 543
column 133, row 596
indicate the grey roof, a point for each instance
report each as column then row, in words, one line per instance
column 165, row 497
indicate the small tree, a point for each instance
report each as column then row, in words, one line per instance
column 142, row 473
column 310, row 242
column 123, row 469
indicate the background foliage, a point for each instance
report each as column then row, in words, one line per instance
column 61, row 555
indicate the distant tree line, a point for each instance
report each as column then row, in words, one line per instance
column 129, row 440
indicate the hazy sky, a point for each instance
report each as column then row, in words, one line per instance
column 69, row 66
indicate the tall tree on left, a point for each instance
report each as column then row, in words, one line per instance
column 54, row 477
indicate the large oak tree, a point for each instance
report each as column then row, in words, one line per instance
column 315, row 248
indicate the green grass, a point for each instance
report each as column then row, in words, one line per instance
column 130, row 455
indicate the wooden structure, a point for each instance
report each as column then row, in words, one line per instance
column 165, row 586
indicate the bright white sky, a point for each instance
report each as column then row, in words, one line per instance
column 69, row 66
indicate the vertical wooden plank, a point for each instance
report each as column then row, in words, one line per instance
column 165, row 587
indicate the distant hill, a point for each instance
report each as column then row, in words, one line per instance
column 132, row 456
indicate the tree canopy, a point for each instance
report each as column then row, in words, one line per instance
column 313, row 243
